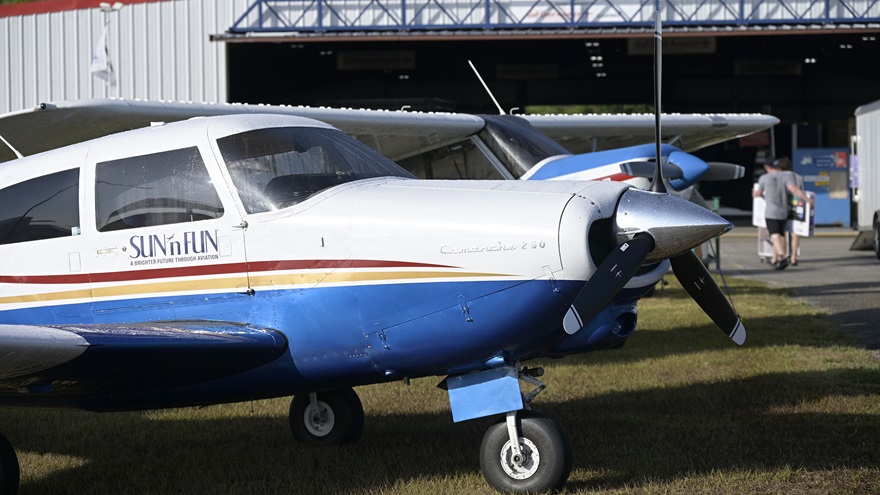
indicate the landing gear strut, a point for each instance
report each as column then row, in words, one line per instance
column 9, row 472
column 331, row 417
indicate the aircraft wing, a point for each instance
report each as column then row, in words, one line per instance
column 596, row 132
column 126, row 358
column 395, row 134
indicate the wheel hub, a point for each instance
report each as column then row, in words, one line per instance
column 521, row 466
column 319, row 420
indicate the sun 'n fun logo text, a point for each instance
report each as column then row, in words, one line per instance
column 196, row 245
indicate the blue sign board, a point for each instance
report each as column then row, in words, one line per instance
column 826, row 172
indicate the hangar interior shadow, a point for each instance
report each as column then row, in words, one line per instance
column 812, row 83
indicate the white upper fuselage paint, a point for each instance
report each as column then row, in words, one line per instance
column 432, row 230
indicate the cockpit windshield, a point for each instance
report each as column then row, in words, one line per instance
column 280, row 167
column 517, row 144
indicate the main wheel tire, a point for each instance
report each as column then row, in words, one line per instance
column 9, row 470
column 338, row 420
column 877, row 238
column 546, row 450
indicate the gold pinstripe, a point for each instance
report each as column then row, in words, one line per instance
column 278, row 279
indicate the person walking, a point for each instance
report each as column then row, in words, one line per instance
column 794, row 239
column 775, row 187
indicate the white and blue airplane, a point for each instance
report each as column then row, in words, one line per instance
column 239, row 257
column 451, row 145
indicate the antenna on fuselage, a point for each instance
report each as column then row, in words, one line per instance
column 19, row 155
column 486, row 87
column 657, row 184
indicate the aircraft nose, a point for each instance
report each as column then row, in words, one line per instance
column 675, row 224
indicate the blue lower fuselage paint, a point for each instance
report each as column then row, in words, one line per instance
column 343, row 336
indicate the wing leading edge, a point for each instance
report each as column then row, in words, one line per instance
column 395, row 134
column 690, row 132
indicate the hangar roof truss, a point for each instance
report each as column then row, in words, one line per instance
column 321, row 18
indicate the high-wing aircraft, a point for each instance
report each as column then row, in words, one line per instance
column 431, row 145
column 239, row 257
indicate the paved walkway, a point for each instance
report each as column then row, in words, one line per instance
column 829, row 276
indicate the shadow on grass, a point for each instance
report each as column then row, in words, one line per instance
column 810, row 330
column 863, row 288
column 126, row 453
column 737, row 425
column 739, row 288
column 658, row 434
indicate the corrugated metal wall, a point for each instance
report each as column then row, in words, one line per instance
column 160, row 51
column 868, row 130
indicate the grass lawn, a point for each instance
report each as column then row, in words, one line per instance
column 679, row 410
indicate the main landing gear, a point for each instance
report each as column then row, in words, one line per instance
column 9, row 472
column 334, row 417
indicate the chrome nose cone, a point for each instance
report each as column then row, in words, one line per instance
column 675, row 224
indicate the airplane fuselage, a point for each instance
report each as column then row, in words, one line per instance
column 361, row 288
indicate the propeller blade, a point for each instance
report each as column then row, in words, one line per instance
column 647, row 170
column 723, row 171
column 657, row 184
column 609, row 278
column 698, row 282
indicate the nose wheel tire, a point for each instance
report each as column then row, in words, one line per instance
column 543, row 464
column 9, row 471
column 337, row 417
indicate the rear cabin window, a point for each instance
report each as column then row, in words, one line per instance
column 156, row 189
column 46, row 207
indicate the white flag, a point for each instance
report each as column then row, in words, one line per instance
column 101, row 65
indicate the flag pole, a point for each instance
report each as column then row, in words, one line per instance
column 112, row 78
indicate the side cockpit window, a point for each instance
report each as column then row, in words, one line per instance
column 278, row 167
column 45, row 207
column 156, row 189
column 461, row 160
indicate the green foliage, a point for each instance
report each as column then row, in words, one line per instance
column 678, row 410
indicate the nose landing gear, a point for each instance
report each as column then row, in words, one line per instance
column 526, row 453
